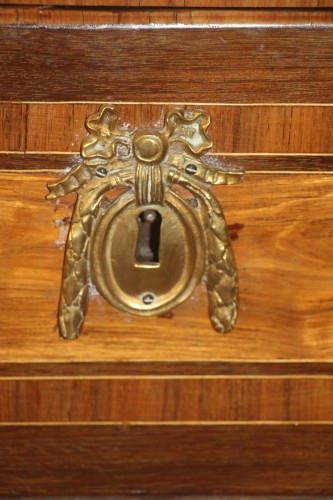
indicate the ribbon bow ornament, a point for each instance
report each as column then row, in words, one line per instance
column 147, row 164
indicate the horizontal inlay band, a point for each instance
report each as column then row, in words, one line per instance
column 172, row 11
column 42, row 128
column 175, row 103
column 165, row 377
column 251, row 423
column 170, row 399
column 164, row 368
column 40, row 162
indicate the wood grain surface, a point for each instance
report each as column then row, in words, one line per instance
column 182, row 460
column 242, row 65
column 281, row 228
column 257, row 3
column 180, row 3
column 59, row 127
column 166, row 405
column 50, row 162
column 85, row 17
column 167, row 399
column 112, row 368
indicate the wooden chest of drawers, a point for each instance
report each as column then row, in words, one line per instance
column 165, row 405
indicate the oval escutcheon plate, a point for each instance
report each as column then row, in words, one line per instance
column 148, row 286
column 148, row 248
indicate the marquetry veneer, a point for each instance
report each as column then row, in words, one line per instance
column 165, row 405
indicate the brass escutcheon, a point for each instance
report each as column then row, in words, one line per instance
column 146, row 250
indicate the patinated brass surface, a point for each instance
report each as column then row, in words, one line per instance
column 147, row 249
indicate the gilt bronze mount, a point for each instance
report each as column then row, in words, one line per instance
column 147, row 249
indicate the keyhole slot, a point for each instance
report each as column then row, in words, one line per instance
column 149, row 234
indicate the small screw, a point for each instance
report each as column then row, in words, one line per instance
column 149, row 215
column 191, row 169
column 123, row 150
column 148, row 298
column 101, row 172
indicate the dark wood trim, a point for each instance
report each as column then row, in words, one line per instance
column 187, row 497
column 30, row 162
column 271, row 163
column 233, row 368
column 180, row 4
column 166, row 460
column 251, row 163
column 282, row 64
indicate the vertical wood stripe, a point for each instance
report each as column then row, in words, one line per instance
column 13, row 127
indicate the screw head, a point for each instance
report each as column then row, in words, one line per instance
column 101, row 172
column 148, row 298
column 191, row 169
column 123, row 150
column 149, row 216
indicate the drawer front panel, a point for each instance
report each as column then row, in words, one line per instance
column 282, row 242
column 165, row 405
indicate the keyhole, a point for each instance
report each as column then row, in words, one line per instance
column 148, row 242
